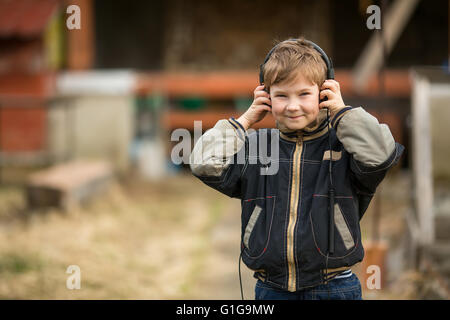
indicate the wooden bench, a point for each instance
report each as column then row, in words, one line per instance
column 68, row 185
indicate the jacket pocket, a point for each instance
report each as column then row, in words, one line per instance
column 251, row 224
column 257, row 219
column 343, row 228
column 345, row 224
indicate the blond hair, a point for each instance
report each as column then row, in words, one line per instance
column 291, row 57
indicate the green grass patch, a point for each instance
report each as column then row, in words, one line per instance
column 17, row 263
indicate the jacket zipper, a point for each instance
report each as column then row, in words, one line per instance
column 292, row 277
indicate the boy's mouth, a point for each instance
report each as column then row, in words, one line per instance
column 295, row 117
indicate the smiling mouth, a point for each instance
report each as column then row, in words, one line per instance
column 294, row 118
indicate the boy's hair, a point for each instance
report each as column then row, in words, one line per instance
column 293, row 56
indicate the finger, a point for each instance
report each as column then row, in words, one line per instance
column 264, row 111
column 261, row 93
column 326, row 93
column 325, row 104
column 336, row 84
column 330, row 84
column 262, row 100
column 259, row 88
column 327, row 84
column 265, row 108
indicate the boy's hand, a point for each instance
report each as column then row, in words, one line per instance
column 257, row 110
column 331, row 90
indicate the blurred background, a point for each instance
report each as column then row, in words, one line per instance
column 86, row 118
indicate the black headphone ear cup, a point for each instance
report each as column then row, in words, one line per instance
column 265, row 89
column 261, row 74
column 269, row 98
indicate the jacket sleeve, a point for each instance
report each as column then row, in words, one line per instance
column 218, row 158
column 371, row 145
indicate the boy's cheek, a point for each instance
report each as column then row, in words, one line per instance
column 316, row 109
column 277, row 115
column 313, row 108
column 276, row 109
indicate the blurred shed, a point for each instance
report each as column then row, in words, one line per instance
column 48, row 117
column 429, row 224
column 27, row 82
column 93, row 116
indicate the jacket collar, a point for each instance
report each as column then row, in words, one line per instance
column 316, row 129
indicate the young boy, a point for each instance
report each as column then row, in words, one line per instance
column 285, row 215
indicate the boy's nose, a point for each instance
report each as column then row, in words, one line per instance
column 293, row 106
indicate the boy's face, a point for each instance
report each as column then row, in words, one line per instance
column 295, row 105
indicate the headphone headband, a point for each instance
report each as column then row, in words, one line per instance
column 328, row 62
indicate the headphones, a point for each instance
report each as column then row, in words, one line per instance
column 328, row 62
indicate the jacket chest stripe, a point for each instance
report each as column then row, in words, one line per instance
column 293, row 216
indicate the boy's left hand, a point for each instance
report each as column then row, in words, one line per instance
column 331, row 90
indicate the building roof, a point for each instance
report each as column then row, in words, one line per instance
column 25, row 18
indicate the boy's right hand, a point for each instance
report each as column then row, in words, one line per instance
column 258, row 109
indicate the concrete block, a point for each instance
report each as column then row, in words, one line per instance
column 68, row 185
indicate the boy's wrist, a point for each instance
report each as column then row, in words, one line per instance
column 336, row 116
column 244, row 122
column 335, row 111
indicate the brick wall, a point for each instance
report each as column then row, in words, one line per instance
column 22, row 129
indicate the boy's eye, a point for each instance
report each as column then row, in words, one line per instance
column 280, row 95
column 304, row 94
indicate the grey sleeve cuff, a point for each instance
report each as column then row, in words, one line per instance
column 214, row 151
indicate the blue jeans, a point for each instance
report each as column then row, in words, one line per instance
column 337, row 289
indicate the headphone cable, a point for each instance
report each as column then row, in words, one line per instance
column 330, row 192
column 240, row 278
column 331, row 195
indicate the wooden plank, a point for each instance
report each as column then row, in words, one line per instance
column 183, row 119
column 68, row 185
column 230, row 84
column 423, row 179
column 371, row 58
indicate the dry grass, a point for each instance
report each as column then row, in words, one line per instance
column 142, row 241
column 176, row 239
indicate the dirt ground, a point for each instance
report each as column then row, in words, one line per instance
column 175, row 239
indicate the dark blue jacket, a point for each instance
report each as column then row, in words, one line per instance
column 285, row 213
